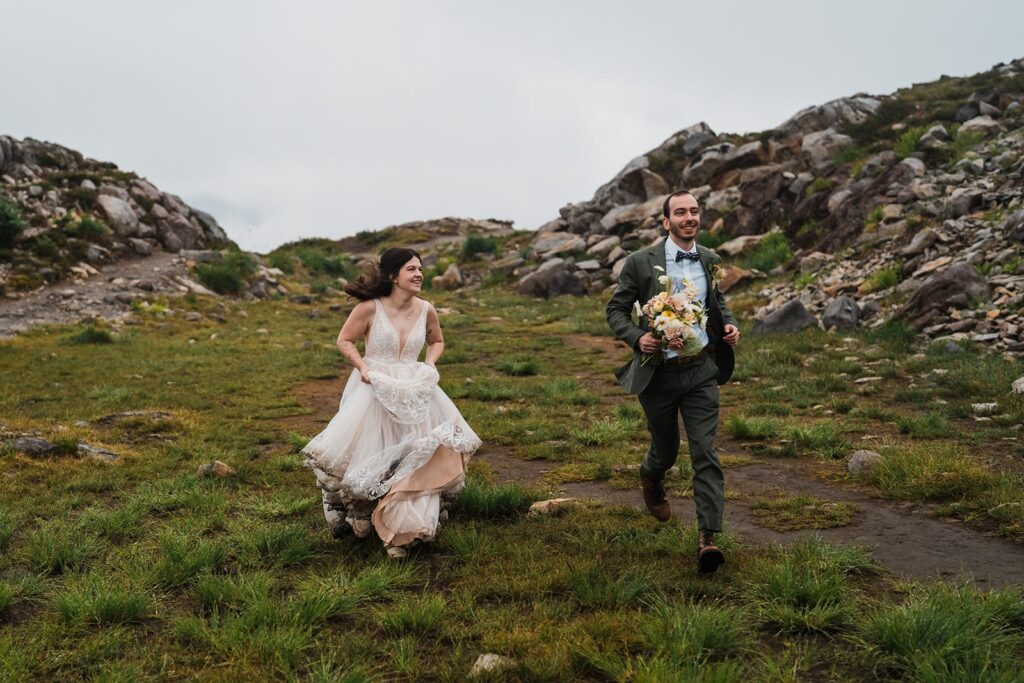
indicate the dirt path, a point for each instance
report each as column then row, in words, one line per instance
column 106, row 294
column 906, row 539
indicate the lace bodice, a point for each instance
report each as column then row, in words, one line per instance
column 382, row 344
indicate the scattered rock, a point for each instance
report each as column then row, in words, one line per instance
column 31, row 446
column 491, row 663
column 862, row 461
column 842, row 313
column 547, row 507
column 790, row 317
column 215, row 469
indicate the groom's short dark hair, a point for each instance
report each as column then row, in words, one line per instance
column 664, row 207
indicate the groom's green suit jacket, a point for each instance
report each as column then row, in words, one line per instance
column 638, row 282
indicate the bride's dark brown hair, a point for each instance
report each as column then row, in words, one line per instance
column 375, row 281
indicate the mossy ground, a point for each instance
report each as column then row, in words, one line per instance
column 141, row 570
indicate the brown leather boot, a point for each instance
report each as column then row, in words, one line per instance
column 709, row 556
column 656, row 499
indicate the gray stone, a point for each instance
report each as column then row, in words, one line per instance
column 836, row 200
column 605, row 246
column 491, row 663
column 591, row 264
column 140, row 247
column 986, row 109
column 820, row 146
column 632, row 214
column 915, row 165
column 841, row 313
column 958, row 285
column 120, row 215
column 979, row 124
column 94, row 253
column 551, row 280
column 31, row 446
column 854, row 109
column 1018, row 385
column 925, row 238
column 790, row 317
column 964, row 200
column 87, row 185
column 813, row 261
column 862, row 461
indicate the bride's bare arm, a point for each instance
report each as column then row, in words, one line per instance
column 356, row 327
column 435, row 340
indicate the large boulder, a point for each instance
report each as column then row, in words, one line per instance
column 979, row 124
column 845, row 110
column 553, row 278
column 119, row 214
column 958, row 286
column 841, row 313
column 790, row 317
column 762, row 190
column 820, row 146
column 632, row 214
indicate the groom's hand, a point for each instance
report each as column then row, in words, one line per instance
column 648, row 344
column 732, row 335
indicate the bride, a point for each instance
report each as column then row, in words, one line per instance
column 396, row 452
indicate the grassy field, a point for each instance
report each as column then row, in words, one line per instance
column 140, row 569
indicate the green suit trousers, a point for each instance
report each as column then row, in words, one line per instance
column 690, row 390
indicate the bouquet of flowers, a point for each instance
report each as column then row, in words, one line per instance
column 672, row 314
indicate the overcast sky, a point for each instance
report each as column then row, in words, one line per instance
column 302, row 118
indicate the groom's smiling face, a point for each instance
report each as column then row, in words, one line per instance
column 683, row 220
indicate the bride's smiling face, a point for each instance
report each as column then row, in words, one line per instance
column 410, row 276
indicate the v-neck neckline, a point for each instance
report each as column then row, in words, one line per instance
column 401, row 344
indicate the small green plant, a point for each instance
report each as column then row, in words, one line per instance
column 229, row 275
column 928, row 473
column 519, row 366
column 948, row 633
column 183, row 558
column 908, row 141
column 874, row 218
column 97, row 599
column 91, row 229
column 482, row 500
column 11, row 222
column 882, row 279
column 770, row 252
column 712, row 240
column 963, row 143
column 478, row 244
column 849, row 154
column 90, row 335
column 57, row 549
column 804, row 279
column 811, row 227
column 415, row 615
column 759, row 428
column 594, row 587
column 819, row 185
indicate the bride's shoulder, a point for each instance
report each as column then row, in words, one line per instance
column 365, row 308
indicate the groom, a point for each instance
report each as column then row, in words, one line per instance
column 673, row 383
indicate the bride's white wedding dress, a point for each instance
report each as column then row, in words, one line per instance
column 397, row 447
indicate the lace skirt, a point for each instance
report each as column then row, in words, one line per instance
column 385, row 431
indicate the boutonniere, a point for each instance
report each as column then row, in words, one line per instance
column 717, row 273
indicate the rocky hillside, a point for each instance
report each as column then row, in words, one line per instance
column 868, row 208
column 62, row 214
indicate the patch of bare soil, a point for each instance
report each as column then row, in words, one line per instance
column 107, row 294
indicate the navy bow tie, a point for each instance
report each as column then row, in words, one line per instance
column 688, row 255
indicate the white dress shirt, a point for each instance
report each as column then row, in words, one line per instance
column 687, row 270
